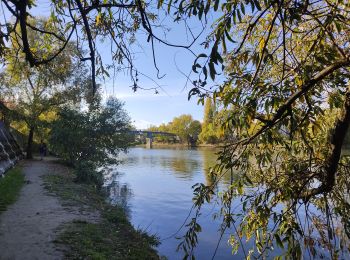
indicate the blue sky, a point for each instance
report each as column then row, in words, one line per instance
column 145, row 107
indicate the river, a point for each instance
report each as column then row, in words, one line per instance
column 154, row 186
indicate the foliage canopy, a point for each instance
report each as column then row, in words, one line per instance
column 36, row 92
column 184, row 126
column 286, row 66
column 285, row 95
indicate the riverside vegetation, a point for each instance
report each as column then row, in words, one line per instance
column 278, row 71
column 192, row 131
column 100, row 135
column 112, row 237
column 10, row 186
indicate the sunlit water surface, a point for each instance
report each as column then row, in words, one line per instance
column 154, row 185
column 155, row 188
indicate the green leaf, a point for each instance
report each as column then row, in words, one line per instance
column 229, row 37
column 257, row 4
column 212, row 70
column 242, row 8
column 195, row 66
column 205, row 72
column 216, row 5
column 279, row 241
column 169, row 5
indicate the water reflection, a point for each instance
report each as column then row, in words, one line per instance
column 119, row 193
column 208, row 161
column 183, row 168
column 155, row 186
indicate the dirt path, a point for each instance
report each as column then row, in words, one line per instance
column 29, row 227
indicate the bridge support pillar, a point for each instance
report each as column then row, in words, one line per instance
column 149, row 142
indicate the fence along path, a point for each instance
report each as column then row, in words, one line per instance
column 10, row 151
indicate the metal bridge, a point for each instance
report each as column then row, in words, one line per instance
column 151, row 134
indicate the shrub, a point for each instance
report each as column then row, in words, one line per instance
column 91, row 139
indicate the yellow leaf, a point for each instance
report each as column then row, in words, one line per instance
column 261, row 44
column 98, row 19
column 298, row 81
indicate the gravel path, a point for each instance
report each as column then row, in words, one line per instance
column 29, row 226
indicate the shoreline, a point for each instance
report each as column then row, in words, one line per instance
column 112, row 237
column 51, row 216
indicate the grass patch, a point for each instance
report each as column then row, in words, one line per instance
column 112, row 238
column 10, row 186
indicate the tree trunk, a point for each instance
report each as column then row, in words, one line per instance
column 30, row 143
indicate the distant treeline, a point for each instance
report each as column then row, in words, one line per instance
column 193, row 131
column 211, row 131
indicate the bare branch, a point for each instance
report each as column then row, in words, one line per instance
column 90, row 42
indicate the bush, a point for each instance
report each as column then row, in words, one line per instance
column 92, row 139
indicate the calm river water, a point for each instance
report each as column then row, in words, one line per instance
column 154, row 185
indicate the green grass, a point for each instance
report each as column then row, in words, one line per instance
column 113, row 237
column 10, row 186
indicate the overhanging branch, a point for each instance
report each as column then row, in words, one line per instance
column 336, row 143
column 306, row 87
column 90, row 42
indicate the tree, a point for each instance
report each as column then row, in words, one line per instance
column 87, row 22
column 209, row 111
column 37, row 92
column 195, row 128
column 162, row 128
column 92, row 139
column 209, row 133
column 286, row 64
column 185, row 127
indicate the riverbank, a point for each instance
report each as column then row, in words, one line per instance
column 56, row 218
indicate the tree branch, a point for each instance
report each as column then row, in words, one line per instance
column 96, row 6
column 90, row 42
column 22, row 8
column 304, row 89
column 336, row 143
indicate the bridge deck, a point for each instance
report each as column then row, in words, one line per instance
column 152, row 133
